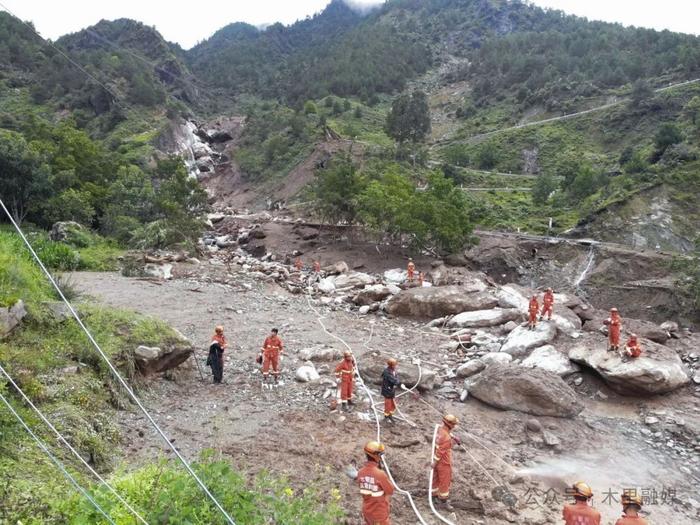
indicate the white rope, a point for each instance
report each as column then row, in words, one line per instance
column 361, row 382
column 114, row 371
column 56, row 462
column 430, row 481
column 63, row 440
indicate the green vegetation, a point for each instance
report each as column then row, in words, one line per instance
column 409, row 118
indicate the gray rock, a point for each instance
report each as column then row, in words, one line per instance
column 320, row 354
column 172, row 352
column 353, row 280
column 395, row 276
column 338, row 268
column 408, row 373
column 11, row 317
column 496, row 358
column 529, row 390
column 307, row 373
column 550, row 439
column 510, row 326
column 326, row 285
column 364, row 310
column 533, row 425
column 66, row 231
column 549, row 358
column 147, row 353
column 438, row 301
column 657, row 371
column 470, row 368
column 669, row 326
column 158, row 271
column 484, row 318
column 372, row 294
column 520, row 340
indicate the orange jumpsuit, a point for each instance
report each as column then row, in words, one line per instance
column 411, row 269
column 633, row 348
column 298, row 264
column 547, row 304
column 376, row 490
column 442, row 456
column 221, row 339
column 271, row 355
column 614, row 327
column 630, row 520
column 317, row 267
column 532, row 309
column 580, row 513
column 345, row 372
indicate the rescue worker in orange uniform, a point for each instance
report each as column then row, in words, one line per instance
column 390, row 380
column 631, row 505
column 547, row 304
column 298, row 264
column 317, row 267
column 421, row 279
column 579, row 512
column 442, row 461
column 271, row 351
column 216, row 354
column 375, row 487
column 345, row 372
column 632, row 348
column 411, row 270
column 614, row 324
column 533, row 308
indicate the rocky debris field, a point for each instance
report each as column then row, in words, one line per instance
column 540, row 408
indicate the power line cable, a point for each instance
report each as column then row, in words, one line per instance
column 113, row 369
column 56, row 462
column 63, row 440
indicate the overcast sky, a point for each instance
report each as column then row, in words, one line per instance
column 192, row 21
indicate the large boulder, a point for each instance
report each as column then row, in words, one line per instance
column 326, row 285
column 566, row 320
column 438, row 301
column 484, row 318
column 69, row 232
column 657, row 371
column 550, row 359
column 530, row 390
column 171, row 353
column 337, row 268
column 643, row 329
column 395, row 276
column 11, row 317
column 521, row 340
column 320, row 354
column 496, row 358
column 373, row 293
column 307, row 373
column 470, row 368
column 408, row 373
column 353, row 280
column 472, row 281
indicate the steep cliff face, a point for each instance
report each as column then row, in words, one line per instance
column 659, row 218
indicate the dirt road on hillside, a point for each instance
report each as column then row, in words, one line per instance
column 291, row 431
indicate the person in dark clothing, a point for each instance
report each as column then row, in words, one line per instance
column 390, row 380
column 216, row 354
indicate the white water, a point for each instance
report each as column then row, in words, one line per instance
column 589, row 264
column 186, row 148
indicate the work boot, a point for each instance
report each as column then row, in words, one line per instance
column 389, row 419
column 445, row 504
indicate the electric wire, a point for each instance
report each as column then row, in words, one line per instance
column 113, row 369
column 56, row 462
column 63, row 440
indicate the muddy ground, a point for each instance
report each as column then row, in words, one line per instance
column 291, row 430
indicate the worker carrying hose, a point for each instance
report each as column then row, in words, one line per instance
column 632, row 348
column 547, row 304
column 441, row 464
column 614, row 324
column 580, row 512
column 533, row 308
column 345, row 372
column 375, row 487
column 410, row 270
column 271, row 351
column 216, row 354
column 631, row 506
column 390, row 380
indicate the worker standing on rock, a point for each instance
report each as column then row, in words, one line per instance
column 271, row 352
column 375, row 487
column 442, row 461
column 632, row 348
column 410, row 270
column 345, row 372
column 631, row 505
column 580, row 513
column 390, row 380
column 216, row 354
column 317, row 267
column 533, row 309
column 298, row 264
column 547, row 304
column 614, row 324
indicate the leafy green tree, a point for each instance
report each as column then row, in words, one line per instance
column 641, row 93
column 310, row 108
column 71, row 205
column 358, row 112
column 692, row 109
column 336, row 190
column 667, row 135
column 409, row 118
column 544, row 185
column 586, row 183
column 487, row 156
column 24, row 176
column 347, row 105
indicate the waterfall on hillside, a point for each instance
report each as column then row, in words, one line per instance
column 590, row 260
column 186, row 148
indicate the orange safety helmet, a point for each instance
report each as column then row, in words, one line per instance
column 450, row 420
column 582, row 490
column 613, row 309
column 392, row 362
column 631, row 499
column 347, row 353
column 375, row 450
column 548, row 290
column 219, row 329
column 633, row 337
